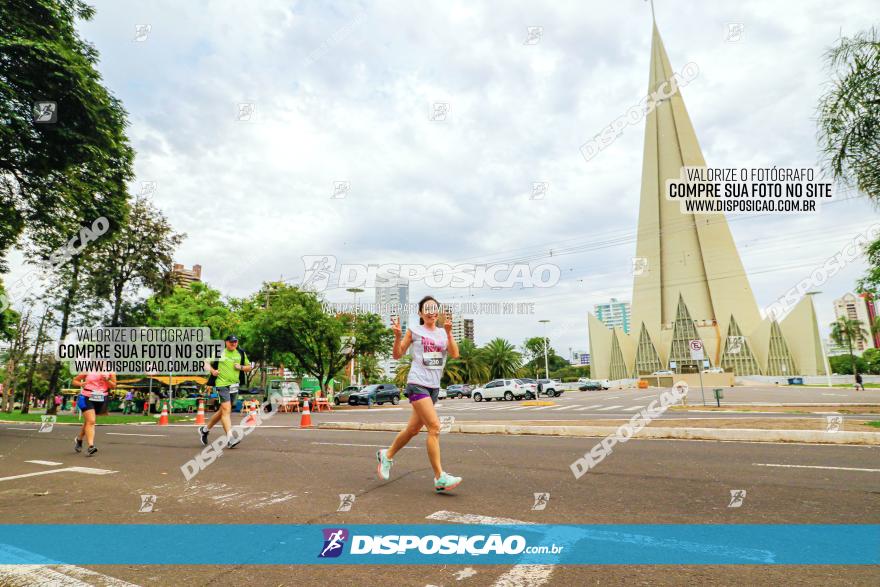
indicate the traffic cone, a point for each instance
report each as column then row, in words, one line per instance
column 306, row 419
column 163, row 418
column 200, row 415
column 251, row 419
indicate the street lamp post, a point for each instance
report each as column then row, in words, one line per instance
column 546, row 364
column 354, row 374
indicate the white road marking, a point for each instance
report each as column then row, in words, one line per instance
column 594, row 406
column 47, row 463
column 835, row 394
column 133, row 434
column 612, row 397
column 542, row 408
column 633, row 408
column 521, row 408
column 85, row 470
column 563, row 408
column 518, row 575
column 11, row 428
column 815, row 467
column 371, row 445
column 56, row 576
column 605, row 409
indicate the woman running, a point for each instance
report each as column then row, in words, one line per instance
column 95, row 387
column 430, row 348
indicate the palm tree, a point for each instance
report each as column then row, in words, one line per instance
column 846, row 331
column 849, row 114
column 402, row 371
column 469, row 367
column 501, row 358
column 368, row 367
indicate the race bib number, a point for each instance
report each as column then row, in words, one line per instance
column 233, row 388
column 97, row 396
column 432, row 360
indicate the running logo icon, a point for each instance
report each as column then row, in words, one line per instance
column 346, row 500
column 541, row 501
column 737, row 496
column 334, row 542
column 318, row 269
column 47, row 423
column 147, row 503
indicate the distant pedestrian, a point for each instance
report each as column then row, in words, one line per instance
column 57, row 402
column 859, row 386
column 127, row 402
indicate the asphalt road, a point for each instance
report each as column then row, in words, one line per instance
column 284, row 475
column 612, row 404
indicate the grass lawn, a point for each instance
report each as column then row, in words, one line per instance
column 875, row 423
column 850, row 385
column 112, row 419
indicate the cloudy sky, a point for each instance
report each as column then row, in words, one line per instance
column 345, row 92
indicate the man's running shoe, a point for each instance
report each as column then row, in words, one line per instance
column 446, row 482
column 92, row 450
column 385, row 464
column 203, row 434
column 233, row 443
column 77, row 444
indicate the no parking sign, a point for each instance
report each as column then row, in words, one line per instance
column 696, row 347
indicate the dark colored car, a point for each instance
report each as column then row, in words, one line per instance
column 342, row 396
column 459, row 390
column 380, row 393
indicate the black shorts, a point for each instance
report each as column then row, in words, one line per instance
column 85, row 404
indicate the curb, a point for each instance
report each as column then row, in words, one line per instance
column 737, row 434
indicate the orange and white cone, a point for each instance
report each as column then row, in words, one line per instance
column 163, row 418
column 306, row 419
column 200, row 416
column 251, row 419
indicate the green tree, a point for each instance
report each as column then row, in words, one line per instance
column 871, row 357
column 401, row 373
column 295, row 322
column 845, row 364
column 849, row 113
column 139, row 255
column 198, row 305
column 51, row 169
column 845, row 331
column 469, row 367
column 501, row 358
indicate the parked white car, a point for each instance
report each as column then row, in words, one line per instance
column 498, row 389
column 713, row 370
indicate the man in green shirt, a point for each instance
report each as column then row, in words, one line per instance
column 227, row 375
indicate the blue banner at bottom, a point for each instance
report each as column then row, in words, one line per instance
column 430, row 544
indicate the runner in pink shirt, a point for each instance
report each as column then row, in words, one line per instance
column 95, row 389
